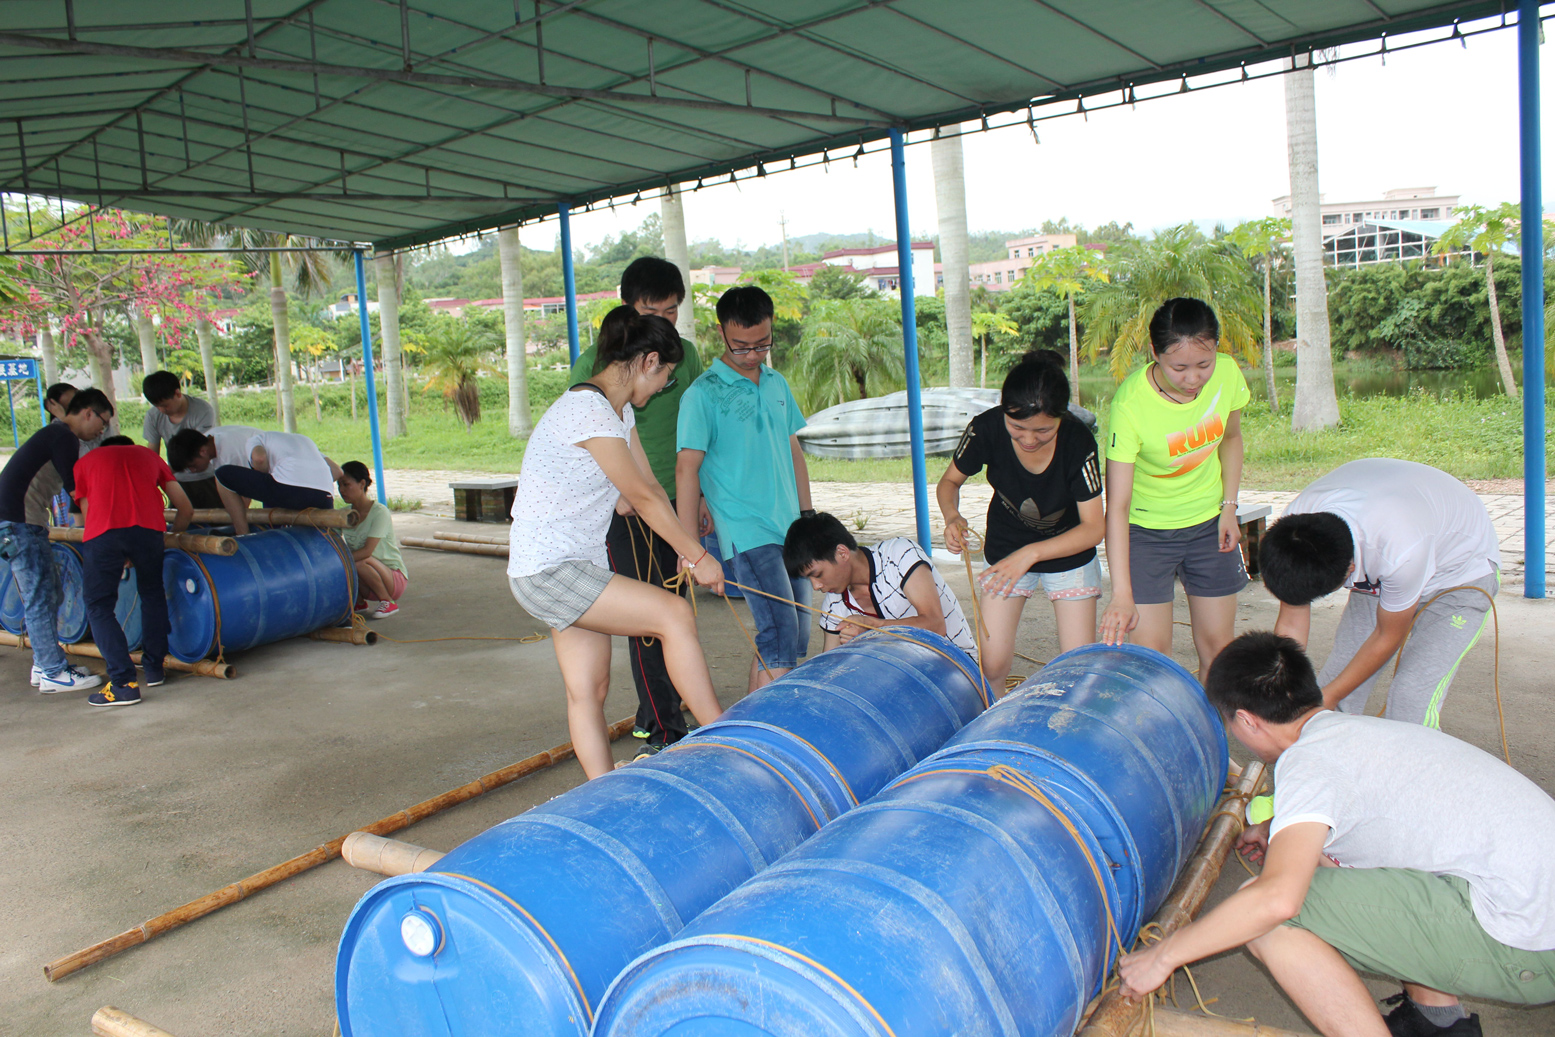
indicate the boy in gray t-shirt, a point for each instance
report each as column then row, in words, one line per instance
column 171, row 412
column 1394, row 849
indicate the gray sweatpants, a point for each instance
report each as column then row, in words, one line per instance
column 1442, row 636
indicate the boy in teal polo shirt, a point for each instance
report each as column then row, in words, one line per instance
column 653, row 287
column 739, row 448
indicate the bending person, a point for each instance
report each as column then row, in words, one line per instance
column 1045, row 518
column 279, row 470
column 380, row 568
column 585, row 461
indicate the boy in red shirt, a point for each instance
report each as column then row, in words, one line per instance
column 120, row 487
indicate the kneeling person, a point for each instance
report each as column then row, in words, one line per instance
column 279, row 470
column 1445, row 857
column 891, row 584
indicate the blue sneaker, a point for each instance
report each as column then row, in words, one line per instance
column 154, row 675
column 129, row 695
column 71, row 678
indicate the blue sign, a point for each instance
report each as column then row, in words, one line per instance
column 15, row 370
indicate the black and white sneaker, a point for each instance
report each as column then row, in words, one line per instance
column 1407, row 1020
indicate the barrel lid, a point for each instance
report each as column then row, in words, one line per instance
column 70, row 622
column 13, row 617
column 439, row 953
column 191, row 608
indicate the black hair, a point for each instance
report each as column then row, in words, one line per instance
column 651, row 279
column 1265, row 674
column 1036, row 385
column 117, row 441
column 814, row 538
column 1180, row 318
column 358, row 471
column 746, row 306
column 182, row 448
column 625, row 335
column 1303, row 557
column 160, row 386
column 93, row 398
column 57, row 392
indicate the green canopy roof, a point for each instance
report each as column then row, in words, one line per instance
column 403, row 122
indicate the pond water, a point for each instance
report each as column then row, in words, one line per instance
column 1352, row 379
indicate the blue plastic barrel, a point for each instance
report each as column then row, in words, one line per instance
column 13, row 619
column 282, row 583
column 978, row 893
column 521, row 929
column 127, row 609
column 70, row 622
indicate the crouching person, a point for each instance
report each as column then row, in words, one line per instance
column 1394, row 849
column 380, row 567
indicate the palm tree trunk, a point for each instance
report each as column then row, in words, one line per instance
column 982, row 380
column 672, row 215
column 46, row 348
column 147, row 334
column 1268, row 337
column 1502, row 363
column 1074, row 353
column 351, row 373
column 206, row 336
column 950, row 200
column 520, row 423
column 393, row 358
column 318, row 407
column 283, row 345
column 1316, row 406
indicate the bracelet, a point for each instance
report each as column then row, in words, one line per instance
column 1230, row 502
column 699, row 560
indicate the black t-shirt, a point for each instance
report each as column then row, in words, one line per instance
column 53, row 442
column 1029, row 507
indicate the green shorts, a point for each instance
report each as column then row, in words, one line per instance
column 1420, row 928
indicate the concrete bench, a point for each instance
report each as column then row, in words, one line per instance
column 484, row 500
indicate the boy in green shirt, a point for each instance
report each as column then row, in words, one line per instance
column 651, row 286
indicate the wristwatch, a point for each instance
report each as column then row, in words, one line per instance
column 807, row 513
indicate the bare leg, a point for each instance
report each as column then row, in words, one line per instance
column 584, row 658
column 1155, row 627
column 1076, row 619
column 761, row 676
column 1214, row 624
column 1001, row 616
column 384, row 576
column 631, row 608
column 1429, row 996
column 1320, row 981
column 373, row 585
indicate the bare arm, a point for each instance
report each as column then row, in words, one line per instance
column 237, row 508
column 180, row 502
column 948, row 493
column 1294, row 622
column 365, row 552
column 801, row 474
column 1372, row 655
column 1004, row 573
column 1121, row 616
column 1231, row 452
column 335, row 473
column 688, row 488
column 615, row 459
column 830, row 641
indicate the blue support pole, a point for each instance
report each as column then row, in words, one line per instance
column 1533, row 298
column 367, row 374
column 570, row 286
column 920, row 478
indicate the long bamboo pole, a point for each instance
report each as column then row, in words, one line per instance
column 195, row 542
column 1118, row 1017
column 109, row 1021
column 336, row 518
column 470, row 538
column 87, row 650
column 495, row 550
column 231, row 894
column 1189, row 1024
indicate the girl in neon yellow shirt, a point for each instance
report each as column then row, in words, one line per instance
column 1174, row 465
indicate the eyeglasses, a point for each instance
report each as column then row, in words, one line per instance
column 752, row 349
column 669, row 385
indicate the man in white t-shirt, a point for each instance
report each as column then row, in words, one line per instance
column 891, row 584
column 1417, row 548
column 278, row 469
column 1394, row 850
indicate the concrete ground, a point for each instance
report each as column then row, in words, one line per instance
column 117, row 815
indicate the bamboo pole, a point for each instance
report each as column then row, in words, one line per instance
column 470, row 538
column 1190, row 1024
column 351, row 635
column 1118, row 1017
column 195, row 542
column 231, row 894
column 109, row 1021
column 87, row 650
column 496, row 550
column 367, row 852
column 324, row 518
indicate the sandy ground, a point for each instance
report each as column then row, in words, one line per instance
column 117, row 815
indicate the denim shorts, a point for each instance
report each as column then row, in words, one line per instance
column 782, row 630
column 1083, row 582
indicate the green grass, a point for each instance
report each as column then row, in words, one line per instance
column 405, row 503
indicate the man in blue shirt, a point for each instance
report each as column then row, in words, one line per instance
column 737, row 445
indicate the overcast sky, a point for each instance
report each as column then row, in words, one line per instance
column 1441, row 115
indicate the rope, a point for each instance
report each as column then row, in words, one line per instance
column 1506, row 751
column 977, row 609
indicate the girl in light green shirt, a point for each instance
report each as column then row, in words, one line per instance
column 380, row 568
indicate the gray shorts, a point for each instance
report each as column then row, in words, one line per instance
column 559, row 596
column 1158, row 557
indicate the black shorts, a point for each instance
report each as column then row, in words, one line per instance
column 1158, row 557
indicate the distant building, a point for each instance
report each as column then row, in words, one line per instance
column 880, row 269
column 1403, row 224
column 715, row 275
column 1401, row 203
column 998, row 275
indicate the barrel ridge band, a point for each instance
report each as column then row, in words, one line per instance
column 623, row 856
column 813, row 964
column 682, row 746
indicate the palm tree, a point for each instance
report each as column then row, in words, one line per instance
column 455, row 358
column 672, row 217
column 1316, row 405
column 388, row 269
column 1180, row 261
column 1265, row 239
column 205, row 335
column 1069, row 271
column 955, row 253
column 520, row 423
column 990, row 322
column 848, row 345
column 1487, row 232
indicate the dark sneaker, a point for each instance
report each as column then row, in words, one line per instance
column 113, row 695
column 153, row 676
column 649, row 749
column 1406, row 1020
column 640, row 733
